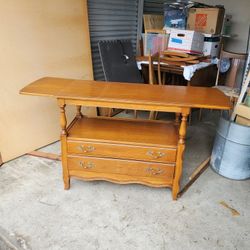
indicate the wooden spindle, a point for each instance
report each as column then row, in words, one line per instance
column 63, row 120
column 180, row 154
column 63, row 123
column 183, row 129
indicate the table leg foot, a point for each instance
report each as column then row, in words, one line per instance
column 66, row 183
column 175, row 193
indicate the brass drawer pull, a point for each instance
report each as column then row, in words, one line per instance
column 155, row 155
column 86, row 149
column 87, row 165
column 154, row 171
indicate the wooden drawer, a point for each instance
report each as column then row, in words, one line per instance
column 120, row 167
column 122, row 151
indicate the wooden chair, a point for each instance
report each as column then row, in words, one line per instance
column 160, row 80
column 152, row 78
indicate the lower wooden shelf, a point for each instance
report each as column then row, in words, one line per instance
column 122, row 151
column 124, row 131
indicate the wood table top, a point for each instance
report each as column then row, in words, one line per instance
column 129, row 93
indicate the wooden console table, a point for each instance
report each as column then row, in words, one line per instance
column 125, row 150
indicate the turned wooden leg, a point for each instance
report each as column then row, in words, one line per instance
column 177, row 118
column 63, row 123
column 180, row 153
column 66, row 181
column 63, row 120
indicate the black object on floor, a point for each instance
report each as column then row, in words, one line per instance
column 118, row 61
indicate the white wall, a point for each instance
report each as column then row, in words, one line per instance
column 240, row 10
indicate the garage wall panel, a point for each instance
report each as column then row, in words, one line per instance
column 153, row 7
column 38, row 39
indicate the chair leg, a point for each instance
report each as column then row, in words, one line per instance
column 151, row 115
column 155, row 116
column 110, row 112
column 135, row 114
column 200, row 114
column 164, row 78
column 190, row 118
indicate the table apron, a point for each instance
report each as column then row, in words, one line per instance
column 124, row 105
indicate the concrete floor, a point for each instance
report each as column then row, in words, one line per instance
column 36, row 213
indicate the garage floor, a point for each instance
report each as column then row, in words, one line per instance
column 36, row 213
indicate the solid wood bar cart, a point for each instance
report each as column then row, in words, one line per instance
column 125, row 150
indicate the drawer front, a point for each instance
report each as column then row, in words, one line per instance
column 122, row 151
column 120, row 167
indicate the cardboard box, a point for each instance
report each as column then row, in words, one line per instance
column 243, row 110
column 247, row 101
column 175, row 17
column 187, row 41
column 242, row 121
column 211, row 45
column 153, row 22
column 206, row 20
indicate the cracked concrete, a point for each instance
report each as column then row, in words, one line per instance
column 37, row 213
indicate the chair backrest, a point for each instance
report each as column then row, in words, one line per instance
column 153, row 60
column 236, row 60
column 118, row 61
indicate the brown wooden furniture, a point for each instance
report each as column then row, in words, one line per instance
column 121, row 150
column 173, row 74
column 227, row 83
column 152, row 59
column 152, row 78
column 237, row 60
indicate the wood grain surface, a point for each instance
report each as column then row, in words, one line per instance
column 156, row 174
column 135, row 132
column 127, row 93
column 125, row 150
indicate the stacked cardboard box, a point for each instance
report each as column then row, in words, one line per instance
column 243, row 114
column 186, row 41
column 175, row 16
column 211, row 45
column 247, row 101
column 208, row 21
